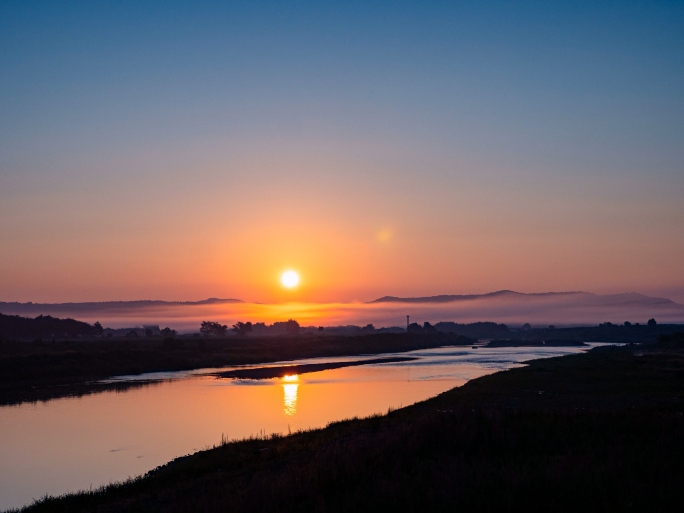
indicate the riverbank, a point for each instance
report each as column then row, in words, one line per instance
column 39, row 371
column 282, row 371
column 599, row 430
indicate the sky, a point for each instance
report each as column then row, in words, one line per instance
column 184, row 150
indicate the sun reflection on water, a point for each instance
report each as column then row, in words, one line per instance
column 290, row 387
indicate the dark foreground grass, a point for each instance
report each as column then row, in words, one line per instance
column 601, row 431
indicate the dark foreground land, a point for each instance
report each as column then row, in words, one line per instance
column 43, row 370
column 599, row 431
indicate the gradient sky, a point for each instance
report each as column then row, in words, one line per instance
column 182, row 150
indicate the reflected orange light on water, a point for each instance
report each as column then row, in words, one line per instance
column 290, row 399
column 290, row 387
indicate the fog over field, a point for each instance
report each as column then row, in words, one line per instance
column 512, row 308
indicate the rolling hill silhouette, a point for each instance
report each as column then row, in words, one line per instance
column 95, row 306
column 587, row 298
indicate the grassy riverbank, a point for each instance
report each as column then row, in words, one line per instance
column 600, row 431
column 33, row 371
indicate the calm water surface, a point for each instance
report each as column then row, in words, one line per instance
column 73, row 444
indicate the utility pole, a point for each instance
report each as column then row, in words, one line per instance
column 407, row 322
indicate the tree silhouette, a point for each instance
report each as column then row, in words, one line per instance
column 651, row 322
column 292, row 327
column 210, row 328
column 414, row 327
column 429, row 328
column 242, row 328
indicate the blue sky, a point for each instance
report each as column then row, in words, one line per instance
column 484, row 130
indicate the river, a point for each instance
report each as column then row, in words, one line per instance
column 76, row 443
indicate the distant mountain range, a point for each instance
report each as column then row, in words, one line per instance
column 630, row 299
column 586, row 298
column 55, row 308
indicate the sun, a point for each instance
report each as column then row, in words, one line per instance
column 289, row 279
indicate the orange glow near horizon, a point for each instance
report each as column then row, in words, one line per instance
column 348, row 255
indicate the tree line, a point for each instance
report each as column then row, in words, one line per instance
column 242, row 329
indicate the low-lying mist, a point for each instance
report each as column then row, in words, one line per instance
column 510, row 308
